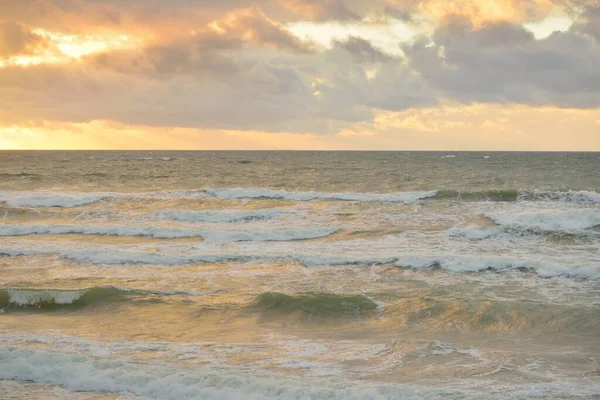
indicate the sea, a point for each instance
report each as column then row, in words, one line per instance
column 299, row 275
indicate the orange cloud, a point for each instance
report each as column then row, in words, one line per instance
column 479, row 12
column 18, row 39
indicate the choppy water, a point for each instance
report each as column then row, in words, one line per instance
column 299, row 275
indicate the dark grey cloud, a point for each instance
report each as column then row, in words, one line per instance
column 504, row 63
column 362, row 50
column 590, row 22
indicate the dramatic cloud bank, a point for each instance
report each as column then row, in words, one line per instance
column 329, row 71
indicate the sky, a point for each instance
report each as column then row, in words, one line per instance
column 518, row 75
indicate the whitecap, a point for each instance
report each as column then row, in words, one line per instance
column 248, row 235
column 243, row 193
column 221, row 215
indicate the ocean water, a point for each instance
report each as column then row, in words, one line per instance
column 299, row 275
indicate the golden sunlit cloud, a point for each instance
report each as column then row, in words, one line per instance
column 480, row 12
column 386, row 37
column 65, row 48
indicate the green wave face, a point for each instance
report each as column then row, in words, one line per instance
column 327, row 305
column 49, row 299
column 486, row 195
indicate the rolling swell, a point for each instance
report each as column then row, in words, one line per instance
column 485, row 195
column 326, row 305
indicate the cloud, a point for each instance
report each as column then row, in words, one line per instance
column 234, row 65
column 590, row 22
column 17, row 39
column 321, row 10
column 504, row 63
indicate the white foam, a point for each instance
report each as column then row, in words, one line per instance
column 475, row 233
column 221, row 215
column 241, row 193
column 570, row 221
column 24, row 297
column 161, row 380
column 453, row 263
column 577, row 196
column 253, row 235
column 52, row 200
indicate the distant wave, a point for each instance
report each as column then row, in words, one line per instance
column 250, row 193
column 452, row 263
column 52, row 299
column 76, row 199
column 255, row 235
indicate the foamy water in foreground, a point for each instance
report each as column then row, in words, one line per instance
column 196, row 275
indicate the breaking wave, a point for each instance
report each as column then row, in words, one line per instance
column 551, row 220
column 575, row 222
column 50, row 200
column 243, row 193
column 76, row 199
column 52, row 299
column 255, row 235
column 448, row 262
column 503, row 195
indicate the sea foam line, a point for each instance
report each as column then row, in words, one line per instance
column 449, row 262
column 218, row 216
column 255, row 235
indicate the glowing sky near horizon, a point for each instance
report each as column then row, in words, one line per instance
column 300, row 74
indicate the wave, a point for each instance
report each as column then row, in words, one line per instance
column 18, row 175
column 551, row 220
column 243, row 193
column 52, row 299
column 484, row 195
column 448, row 262
column 85, row 373
column 76, row 199
column 316, row 304
column 52, row 200
column 575, row 222
column 503, row 195
column 221, row 216
column 255, row 235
